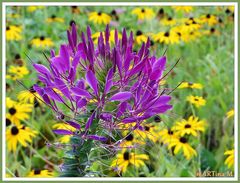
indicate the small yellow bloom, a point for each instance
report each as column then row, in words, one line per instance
column 196, row 100
column 191, row 85
column 168, row 21
column 29, row 96
column 143, row 13
column 111, row 37
column 40, row 173
column 126, row 159
column 13, row 33
column 18, row 111
column 186, row 9
column 17, row 72
column 169, row 37
column 99, row 18
column 167, row 135
column 230, row 113
column 34, row 8
column 230, row 159
column 191, row 126
column 42, row 42
column 140, row 37
column 19, row 134
column 181, row 144
column 53, row 18
column 209, row 19
column 64, row 126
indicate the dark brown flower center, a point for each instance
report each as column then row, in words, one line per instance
column 7, row 28
column 146, row 128
column 169, row 18
column 139, row 33
column 99, row 13
column 42, row 38
column 170, row 132
column 32, row 90
column 72, row 22
column 53, row 16
column 208, row 16
column 14, row 130
column 187, row 126
column 8, row 122
column 166, row 34
column 129, row 137
column 157, row 119
column 113, row 12
column 227, row 11
column 161, row 11
column 12, row 111
column 74, row 7
column 179, row 34
column 183, row 140
column 126, row 156
column 17, row 56
column 143, row 10
column 196, row 99
column 212, row 30
column 37, row 172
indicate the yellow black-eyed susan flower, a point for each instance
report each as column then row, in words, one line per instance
column 13, row 33
column 186, row 9
column 150, row 132
column 64, row 126
column 19, row 134
column 99, row 18
column 190, row 126
column 167, row 135
column 160, row 14
column 140, row 37
column 143, row 13
column 34, row 8
column 17, row 72
column 53, row 18
column 196, row 100
column 230, row 159
column 211, row 31
column 18, row 60
column 190, row 85
column 230, row 113
column 40, row 173
column 168, row 37
column 181, row 143
column 131, row 140
column 96, row 35
column 42, row 42
column 17, row 111
column 126, row 159
column 209, row 19
column 75, row 10
column 28, row 96
column 168, row 21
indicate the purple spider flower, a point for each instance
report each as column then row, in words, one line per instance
column 109, row 85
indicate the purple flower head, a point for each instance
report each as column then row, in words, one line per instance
column 100, row 85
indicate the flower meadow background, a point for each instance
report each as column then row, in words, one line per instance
column 196, row 135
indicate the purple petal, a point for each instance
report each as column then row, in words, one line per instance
column 42, row 70
column 81, row 103
column 121, row 96
column 96, row 137
column 65, row 55
column 92, row 81
column 62, row 132
column 109, row 81
column 74, row 124
column 81, row 92
column 158, row 68
column 74, row 34
column 89, row 122
column 106, row 116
